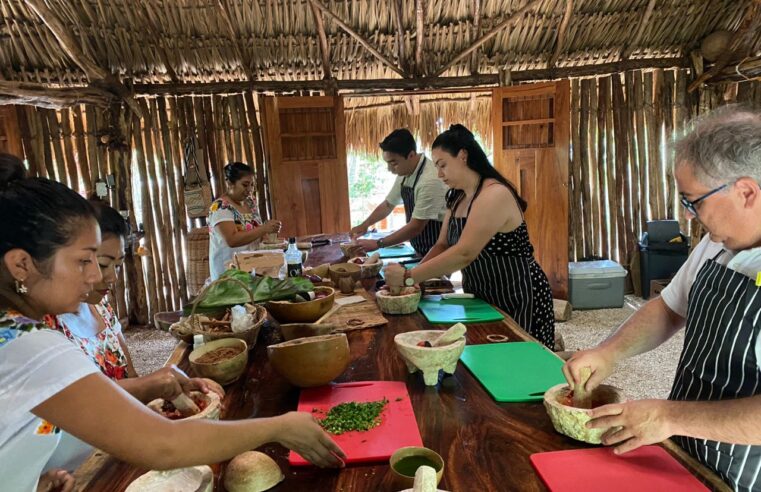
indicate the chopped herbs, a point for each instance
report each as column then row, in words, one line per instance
column 353, row 416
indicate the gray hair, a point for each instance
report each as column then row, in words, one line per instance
column 723, row 146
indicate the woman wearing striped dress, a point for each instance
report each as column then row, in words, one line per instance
column 484, row 235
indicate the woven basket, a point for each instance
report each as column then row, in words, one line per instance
column 249, row 336
column 198, row 259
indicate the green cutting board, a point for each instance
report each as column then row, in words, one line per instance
column 397, row 251
column 437, row 310
column 514, row 371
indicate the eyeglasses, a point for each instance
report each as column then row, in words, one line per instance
column 691, row 205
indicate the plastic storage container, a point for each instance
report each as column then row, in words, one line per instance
column 660, row 260
column 596, row 284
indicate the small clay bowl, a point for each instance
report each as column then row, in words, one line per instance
column 302, row 312
column 572, row 421
column 405, row 303
column 292, row 331
column 344, row 276
column 224, row 371
column 351, row 249
column 429, row 360
column 402, row 481
column 313, row 361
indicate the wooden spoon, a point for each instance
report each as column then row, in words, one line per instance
column 581, row 397
column 454, row 333
column 185, row 405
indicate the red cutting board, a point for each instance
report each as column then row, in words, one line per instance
column 398, row 426
column 648, row 468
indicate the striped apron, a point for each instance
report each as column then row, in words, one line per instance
column 424, row 241
column 718, row 362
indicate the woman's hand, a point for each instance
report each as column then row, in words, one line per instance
column 271, row 226
column 300, row 432
column 169, row 382
column 56, row 481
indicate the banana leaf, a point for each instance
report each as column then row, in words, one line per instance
column 221, row 295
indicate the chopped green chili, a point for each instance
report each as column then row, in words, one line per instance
column 353, row 416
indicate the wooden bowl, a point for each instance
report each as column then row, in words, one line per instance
column 313, row 361
column 293, row 331
column 367, row 270
column 211, row 411
column 249, row 336
column 224, row 371
column 402, row 481
column 404, row 303
column 196, row 478
column 182, row 330
column 572, row 421
column 429, row 360
column 166, row 319
column 302, row 312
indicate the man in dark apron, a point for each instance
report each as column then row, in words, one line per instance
column 714, row 408
column 417, row 186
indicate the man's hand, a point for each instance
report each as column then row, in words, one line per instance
column 368, row 244
column 598, row 359
column 357, row 231
column 633, row 424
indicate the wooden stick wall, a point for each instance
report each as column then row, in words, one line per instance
column 69, row 146
column 621, row 158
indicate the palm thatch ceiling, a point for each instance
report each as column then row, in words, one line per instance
column 202, row 41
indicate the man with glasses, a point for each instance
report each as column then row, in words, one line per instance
column 714, row 408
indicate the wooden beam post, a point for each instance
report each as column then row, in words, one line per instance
column 742, row 39
column 475, row 33
column 419, row 36
column 560, row 41
column 368, row 86
column 52, row 98
column 351, row 32
column 324, row 47
column 94, row 73
column 489, row 35
column 643, row 23
column 400, row 35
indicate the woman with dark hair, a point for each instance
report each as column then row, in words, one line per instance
column 234, row 221
column 48, row 246
column 96, row 330
column 485, row 236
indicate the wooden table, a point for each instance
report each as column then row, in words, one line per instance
column 485, row 445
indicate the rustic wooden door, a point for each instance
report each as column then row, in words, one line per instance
column 531, row 145
column 10, row 137
column 306, row 153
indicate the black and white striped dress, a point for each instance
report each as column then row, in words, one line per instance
column 506, row 275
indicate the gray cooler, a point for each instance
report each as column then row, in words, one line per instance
column 596, row 284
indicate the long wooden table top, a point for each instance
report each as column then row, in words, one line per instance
column 485, row 445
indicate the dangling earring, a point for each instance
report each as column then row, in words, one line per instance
column 20, row 287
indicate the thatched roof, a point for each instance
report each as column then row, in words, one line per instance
column 186, row 41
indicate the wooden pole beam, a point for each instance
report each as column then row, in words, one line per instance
column 748, row 69
column 475, row 34
column 40, row 95
column 741, row 41
column 97, row 76
column 471, row 81
column 643, row 23
column 400, row 34
column 377, row 54
column 419, row 36
column 561, row 34
column 324, row 47
column 489, row 35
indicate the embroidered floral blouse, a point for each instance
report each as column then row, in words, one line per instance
column 102, row 347
column 221, row 210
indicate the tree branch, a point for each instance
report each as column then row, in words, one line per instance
column 324, row 48
column 561, row 34
column 640, row 31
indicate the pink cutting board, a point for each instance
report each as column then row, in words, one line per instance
column 398, row 426
column 649, row 468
